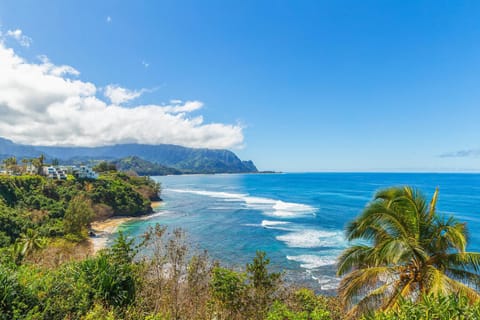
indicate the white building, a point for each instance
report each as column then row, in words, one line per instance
column 31, row 169
column 84, row 172
column 55, row 173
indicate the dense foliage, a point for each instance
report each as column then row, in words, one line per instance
column 432, row 307
column 172, row 284
column 144, row 167
column 55, row 208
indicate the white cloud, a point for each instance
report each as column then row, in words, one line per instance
column 41, row 104
column 18, row 35
column 109, row 19
column 57, row 70
column 145, row 64
column 178, row 106
column 118, row 95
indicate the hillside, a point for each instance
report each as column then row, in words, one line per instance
column 143, row 167
column 187, row 160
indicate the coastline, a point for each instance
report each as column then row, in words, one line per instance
column 156, row 204
column 104, row 228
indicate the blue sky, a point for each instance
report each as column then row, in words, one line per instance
column 294, row 85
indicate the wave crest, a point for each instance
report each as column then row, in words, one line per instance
column 309, row 261
column 270, row 207
column 310, row 238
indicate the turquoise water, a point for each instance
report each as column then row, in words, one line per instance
column 298, row 219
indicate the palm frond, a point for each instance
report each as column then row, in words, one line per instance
column 464, row 260
column 434, row 281
column 373, row 300
column 380, row 217
column 392, row 252
column 433, row 204
column 462, row 290
column 359, row 282
column 469, row 278
column 353, row 257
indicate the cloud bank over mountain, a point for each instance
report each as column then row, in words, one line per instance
column 46, row 104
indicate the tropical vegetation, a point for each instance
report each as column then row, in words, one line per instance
column 405, row 249
column 407, row 261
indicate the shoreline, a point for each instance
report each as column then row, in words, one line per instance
column 103, row 229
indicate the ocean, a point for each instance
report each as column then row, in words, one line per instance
column 297, row 218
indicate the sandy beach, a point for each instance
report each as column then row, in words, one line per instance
column 156, row 204
column 103, row 229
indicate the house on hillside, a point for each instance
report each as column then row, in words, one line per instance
column 84, row 172
column 60, row 172
column 55, row 173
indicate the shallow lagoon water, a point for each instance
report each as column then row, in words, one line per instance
column 297, row 218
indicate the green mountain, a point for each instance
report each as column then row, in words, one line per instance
column 144, row 167
column 187, row 160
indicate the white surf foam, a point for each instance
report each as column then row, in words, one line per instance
column 269, row 223
column 326, row 282
column 215, row 194
column 154, row 215
column 270, row 207
column 310, row 238
column 277, row 225
column 309, row 261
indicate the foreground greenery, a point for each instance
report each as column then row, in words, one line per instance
column 437, row 307
column 411, row 263
column 118, row 284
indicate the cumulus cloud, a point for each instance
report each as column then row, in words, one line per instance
column 119, row 95
column 45, row 104
column 18, row 35
column 57, row 70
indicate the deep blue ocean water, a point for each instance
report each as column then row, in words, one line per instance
column 298, row 219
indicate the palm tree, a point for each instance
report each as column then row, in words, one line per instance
column 28, row 242
column 25, row 163
column 38, row 163
column 404, row 249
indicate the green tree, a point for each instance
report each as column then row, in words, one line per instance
column 404, row 249
column 263, row 283
column 304, row 305
column 78, row 215
column 10, row 162
column 38, row 163
column 28, row 242
column 15, row 299
column 25, row 162
column 12, row 165
column 105, row 166
column 228, row 291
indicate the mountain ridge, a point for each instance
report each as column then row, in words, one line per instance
column 185, row 159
